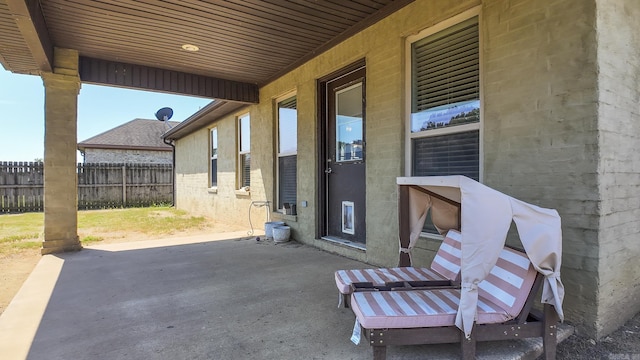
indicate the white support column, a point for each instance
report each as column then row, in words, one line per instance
column 60, row 143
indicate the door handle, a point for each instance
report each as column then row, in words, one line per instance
column 328, row 171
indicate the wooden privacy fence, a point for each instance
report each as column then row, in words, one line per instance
column 99, row 186
column 21, row 186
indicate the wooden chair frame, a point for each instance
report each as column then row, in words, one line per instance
column 399, row 285
column 530, row 323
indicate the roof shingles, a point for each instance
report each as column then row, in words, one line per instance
column 135, row 134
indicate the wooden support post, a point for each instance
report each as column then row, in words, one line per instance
column 379, row 352
column 403, row 221
column 468, row 346
column 550, row 332
column 124, row 186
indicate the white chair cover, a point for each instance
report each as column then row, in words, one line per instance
column 486, row 216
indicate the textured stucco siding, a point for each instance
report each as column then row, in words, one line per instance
column 194, row 194
column 619, row 168
column 540, row 126
column 127, row 156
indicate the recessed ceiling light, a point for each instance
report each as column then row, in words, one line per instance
column 189, row 47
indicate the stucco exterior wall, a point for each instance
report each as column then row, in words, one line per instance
column 547, row 137
column 223, row 203
column 540, row 133
column 619, row 168
column 127, row 156
column 383, row 48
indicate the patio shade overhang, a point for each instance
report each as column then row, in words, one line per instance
column 242, row 44
column 484, row 216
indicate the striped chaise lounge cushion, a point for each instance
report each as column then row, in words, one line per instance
column 445, row 266
column 501, row 297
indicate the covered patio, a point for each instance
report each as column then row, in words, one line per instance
column 557, row 123
column 220, row 296
column 223, row 50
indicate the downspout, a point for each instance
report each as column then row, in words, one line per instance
column 164, row 115
column 173, row 170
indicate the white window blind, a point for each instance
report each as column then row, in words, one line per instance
column 244, row 148
column 446, row 94
column 287, row 152
column 453, row 154
column 245, row 168
column 287, row 177
column 446, row 67
column 214, row 157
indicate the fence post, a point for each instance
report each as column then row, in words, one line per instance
column 124, row 185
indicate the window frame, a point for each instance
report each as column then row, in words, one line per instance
column 342, row 90
column 278, row 100
column 242, row 152
column 213, row 155
column 447, row 130
column 409, row 136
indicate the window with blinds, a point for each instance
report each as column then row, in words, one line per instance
column 454, row 154
column 287, row 176
column 245, row 170
column 446, row 78
column 444, row 127
column 214, row 157
column 244, row 148
column 445, row 106
column 287, row 153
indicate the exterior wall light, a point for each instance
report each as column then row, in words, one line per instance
column 189, row 47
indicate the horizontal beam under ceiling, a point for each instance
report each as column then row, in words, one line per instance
column 31, row 24
column 141, row 77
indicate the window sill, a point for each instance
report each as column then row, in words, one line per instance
column 243, row 192
column 345, row 243
column 212, row 190
column 283, row 217
column 426, row 235
column 429, row 242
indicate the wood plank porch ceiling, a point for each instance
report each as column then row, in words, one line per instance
column 241, row 41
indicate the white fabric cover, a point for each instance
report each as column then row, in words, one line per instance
column 486, row 216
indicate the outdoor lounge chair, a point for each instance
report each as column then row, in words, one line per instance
column 500, row 308
column 445, row 269
column 411, row 317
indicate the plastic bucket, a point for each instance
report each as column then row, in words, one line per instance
column 281, row 233
column 268, row 228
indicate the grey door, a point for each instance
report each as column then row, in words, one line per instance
column 344, row 167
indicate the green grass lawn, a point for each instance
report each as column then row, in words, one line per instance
column 24, row 231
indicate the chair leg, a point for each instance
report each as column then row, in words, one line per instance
column 550, row 332
column 379, row 352
column 468, row 346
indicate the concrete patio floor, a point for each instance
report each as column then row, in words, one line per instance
column 221, row 296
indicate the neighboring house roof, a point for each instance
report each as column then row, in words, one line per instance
column 142, row 134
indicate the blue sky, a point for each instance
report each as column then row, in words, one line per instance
column 100, row 108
